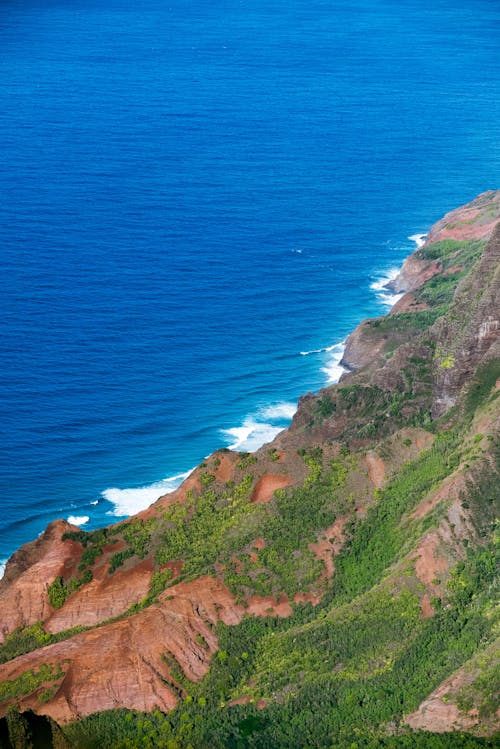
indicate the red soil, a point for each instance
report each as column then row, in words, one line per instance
column 376, row 468
column 267, row 485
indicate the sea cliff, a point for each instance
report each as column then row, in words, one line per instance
column 346, row 570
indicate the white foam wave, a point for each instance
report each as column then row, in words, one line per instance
column 78, row 519
column 419, row 239
column 319, row 350
column 333, row 368
column 251, row 435
column 279, row 411
column 95, row 502
column 3, row 562
column 261, row 428
column 130, row 501
column 384, row 295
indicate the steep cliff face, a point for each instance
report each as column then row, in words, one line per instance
column 441, row 256
column 472, row 222
column 330, row 553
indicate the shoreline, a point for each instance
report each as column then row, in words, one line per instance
column 254, row 431
column 257, row 429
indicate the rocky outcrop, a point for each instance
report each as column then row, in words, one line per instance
column 106, row 596
column 23, row 590
column 415, row 272
column 362, row 348
column 131, row 663
column 476, row 220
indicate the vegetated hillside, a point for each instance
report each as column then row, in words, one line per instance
column 337, row 588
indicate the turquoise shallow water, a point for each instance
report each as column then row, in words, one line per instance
column 192, row 195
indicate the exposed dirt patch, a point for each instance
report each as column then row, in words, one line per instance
column 313, row 598
column 452, row 270
column 430, row 563
column 267, row 485
column 425, row 606
column 226, row 469
column 450, row 487
column 257, row 545
column 238, row 564
column 436, row 714
column 245, row 700
column 329, row 544
column 269, row 606
column 174, row 567
column 376, row 468
column 408, row 303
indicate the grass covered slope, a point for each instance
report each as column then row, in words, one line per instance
column 337, row 588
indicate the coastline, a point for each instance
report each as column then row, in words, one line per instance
column 260, row 428
column 390, row 287
column 254, row 431
column 365, row 444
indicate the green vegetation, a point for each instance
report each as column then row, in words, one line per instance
column 407, row 322
column 377, row 541
column 29, row 681
column 59, row 590
column 440, row 289
column 481, row 386
column 452, row 252
column 25, row 639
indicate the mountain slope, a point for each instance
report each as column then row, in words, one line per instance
column 338, row 583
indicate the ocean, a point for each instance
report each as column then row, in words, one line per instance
column 200, row 200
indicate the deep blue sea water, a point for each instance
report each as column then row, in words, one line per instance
column 194, row 193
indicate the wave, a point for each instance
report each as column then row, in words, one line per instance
column 384, row 295
column 3, row 562
column 251, row 435
column 279, row 411
column 130, row 501
column 333, row 368
column 419, row 239
column 319, row 350
column 78, row 519
column 256, row 429
column 260, row 428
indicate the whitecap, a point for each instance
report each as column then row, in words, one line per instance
column 384, row 295
column 251, row 435
column 419, row 239
column 78, row 519
column 3, row 562
column 319, row 350
column 95, row 502
column 130, row 501
column 260, row 428
column 333, row 368
column 279, row 411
